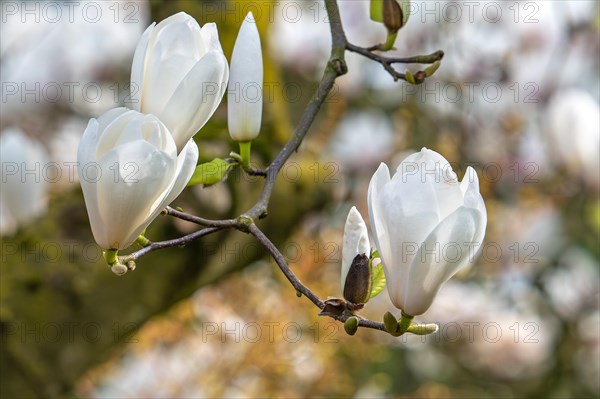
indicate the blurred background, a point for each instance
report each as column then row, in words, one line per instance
column 516, row 97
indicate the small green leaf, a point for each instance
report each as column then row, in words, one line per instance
column 430, row 70
column 211, row 172
column 377, row 280
column 377, row 10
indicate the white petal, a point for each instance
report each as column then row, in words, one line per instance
column 141, row 174
column 474, row 200
column 210, row 36
column 355, row 242
column 381, row 236
column 89, row 174
column 196, row 98
column 429, row 167
column 246, row 84
column 109, row 117
column 410, row 212
column 138, row 68
column 176, row 45
column 447, row 249
column 186, row 165
column 110, row 127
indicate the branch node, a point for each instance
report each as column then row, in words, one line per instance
column 339, row 65
column 244, row 223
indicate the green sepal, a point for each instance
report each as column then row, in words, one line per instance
column 211, row 173
column 405, row 322
column 376, row 10
column 357, row 288
column 391, row 324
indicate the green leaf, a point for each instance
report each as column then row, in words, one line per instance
column 377, row 10
column 211, row 172
column 377, row 280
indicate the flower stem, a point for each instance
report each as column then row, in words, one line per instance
column 389, row 42
column 405, row 321
column 245, row 152
column 110, row 255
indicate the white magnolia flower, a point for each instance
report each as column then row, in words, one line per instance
column 356, row 241
column 179, row 74
column 426, row 226
column 129, row 171
column 244, row 100
column 23, row 187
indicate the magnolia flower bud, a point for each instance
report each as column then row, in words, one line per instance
column 23, row 189
column 179, row 74
column 355, row 276
column 129, row 172
column 427, row 225
column 244, row 99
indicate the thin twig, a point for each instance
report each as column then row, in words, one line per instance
column 251, row 170
column 177, row 242
column 201, row 221
column 282, row 263
column 255, row 171
column 297, row 284
column 387, row 62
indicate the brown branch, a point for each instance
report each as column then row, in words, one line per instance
column 177, row 242
column 297, row 284
column 200, row 221
column 388, row 62
column 283, row 266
